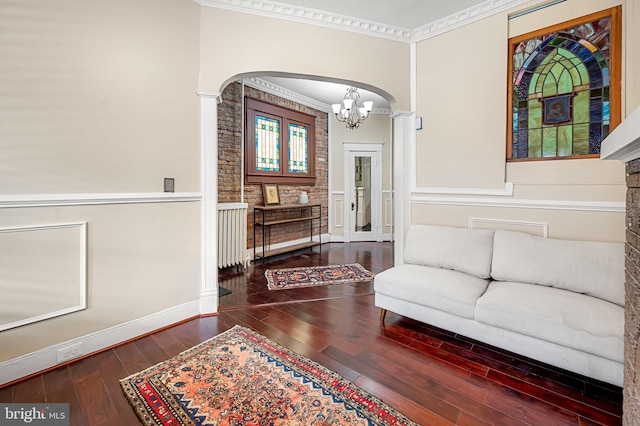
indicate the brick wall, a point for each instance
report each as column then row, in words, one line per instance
column 631, row 405
column 230, row 161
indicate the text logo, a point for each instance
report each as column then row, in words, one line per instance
column 34, row 414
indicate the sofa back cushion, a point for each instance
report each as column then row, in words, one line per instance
column 588, row 267
column 459, row 249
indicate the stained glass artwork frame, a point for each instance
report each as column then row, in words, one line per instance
column 564, row 93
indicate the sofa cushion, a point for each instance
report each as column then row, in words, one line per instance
column 443, row 289
column 593, row 268
column 564, row 317
column 459, row 249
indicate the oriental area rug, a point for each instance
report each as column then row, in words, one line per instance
column 309, row 276
column 242, row 378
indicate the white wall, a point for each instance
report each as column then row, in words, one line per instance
column 377, row 129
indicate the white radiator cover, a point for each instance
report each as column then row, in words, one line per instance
column 232, row 234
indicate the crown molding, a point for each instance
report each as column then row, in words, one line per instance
column 464, row 17
column 274, row 89
column 306, row 15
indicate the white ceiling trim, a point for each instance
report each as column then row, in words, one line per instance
column 274, row 89
column 376, row 29
column 311, row 16
column 464, row 17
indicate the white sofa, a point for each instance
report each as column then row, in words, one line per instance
column 560, row 302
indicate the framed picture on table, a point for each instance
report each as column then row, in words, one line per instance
column 271, row 194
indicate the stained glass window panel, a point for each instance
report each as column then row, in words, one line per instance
column 298, row 148
column 549, row 147
column 564, row 141
column 267, row 144
column 560, row 97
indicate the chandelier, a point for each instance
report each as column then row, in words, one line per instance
column 350, row 112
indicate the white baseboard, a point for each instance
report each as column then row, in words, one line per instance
column 43, row 359
column 340, row 238
column 326, row 238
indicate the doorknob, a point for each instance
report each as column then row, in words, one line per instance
column 352, row 206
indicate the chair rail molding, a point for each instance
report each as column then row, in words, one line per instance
column 55, row 200
column 507, row 191
column 593, row 206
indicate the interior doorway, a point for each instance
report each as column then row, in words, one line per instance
column 363, row 191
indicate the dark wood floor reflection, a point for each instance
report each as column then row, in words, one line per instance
column 432, row 376
column 249, row 287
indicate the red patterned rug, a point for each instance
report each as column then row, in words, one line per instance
column 241, row 378
column 309, row 276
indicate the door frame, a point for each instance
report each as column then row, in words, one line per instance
column 375, row 149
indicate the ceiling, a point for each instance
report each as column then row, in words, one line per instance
column 325, row 92
column 408, row 14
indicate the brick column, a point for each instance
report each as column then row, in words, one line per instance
column 631, row 405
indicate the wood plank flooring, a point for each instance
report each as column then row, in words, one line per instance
column 432, row 376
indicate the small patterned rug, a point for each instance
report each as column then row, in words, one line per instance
column 309, row 276
column 242, row 378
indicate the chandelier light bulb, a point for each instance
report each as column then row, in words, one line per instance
column 352, row 114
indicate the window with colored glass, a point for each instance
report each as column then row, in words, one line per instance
column 280, row 145
column 565, row 88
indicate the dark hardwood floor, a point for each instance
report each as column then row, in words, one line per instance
column 432, row 376
column 248, row 287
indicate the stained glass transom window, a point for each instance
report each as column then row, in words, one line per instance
column 267, row 144
column 561, row 92
column 298, row 148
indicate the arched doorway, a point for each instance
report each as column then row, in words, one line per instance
column 210, row 145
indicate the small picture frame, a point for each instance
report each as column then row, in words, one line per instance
column 271, row 194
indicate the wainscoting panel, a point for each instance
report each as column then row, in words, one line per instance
column 338, row 213
column 540, row 229
column 388, row 210
column 42, row 272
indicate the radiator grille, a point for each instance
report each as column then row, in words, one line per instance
column 232, row 234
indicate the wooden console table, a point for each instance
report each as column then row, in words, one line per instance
column 263, row 217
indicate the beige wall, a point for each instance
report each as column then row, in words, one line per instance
column 464, row 142
column 99, row 96
column 463, row 106
column 377, row 129
column 96, row 98
column 327, row 53
column 141, row 259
